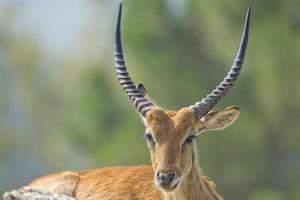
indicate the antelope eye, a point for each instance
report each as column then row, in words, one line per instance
column 190, row 139
column 150, row 138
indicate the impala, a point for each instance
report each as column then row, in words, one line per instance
column 175, row 173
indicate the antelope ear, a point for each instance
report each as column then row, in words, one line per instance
column 218, row 120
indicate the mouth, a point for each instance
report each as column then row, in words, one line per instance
column 168, row 188
column 175, row 185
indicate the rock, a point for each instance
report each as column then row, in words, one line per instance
column 29, row 193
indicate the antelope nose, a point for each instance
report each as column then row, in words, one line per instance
column 165, row 178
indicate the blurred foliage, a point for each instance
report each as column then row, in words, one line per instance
column 73, row 114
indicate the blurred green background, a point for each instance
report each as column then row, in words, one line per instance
column 61, row 106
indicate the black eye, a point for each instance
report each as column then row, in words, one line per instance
column 150, row 138
column 190, row 139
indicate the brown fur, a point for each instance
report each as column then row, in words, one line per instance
column 116, row 183
column 169, row 153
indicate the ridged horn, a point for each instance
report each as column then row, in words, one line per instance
column 205, row 105
column 140, row 102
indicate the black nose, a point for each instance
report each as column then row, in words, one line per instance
column 165, row 178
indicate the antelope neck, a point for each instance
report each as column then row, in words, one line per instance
column 195, row 186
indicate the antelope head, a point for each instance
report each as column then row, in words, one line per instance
column 171, row 134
